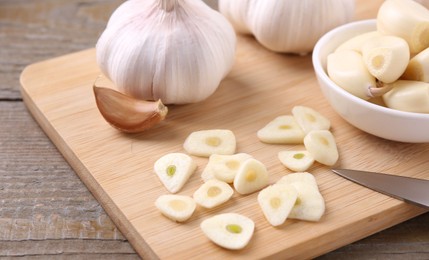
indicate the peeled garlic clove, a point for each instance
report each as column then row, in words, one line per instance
column 406, row 19
column 178, row 208
column 213, row 193
column 173, row 50
column 407, row 95
column 276, row 202
column 207, row 142
column 229, row 230
column 321, row 145
column 281, row 130
column 347, row 69
column 174, row 169
column 126, row 113
column 309, row 119
column 356, row 42
column 309, row 205
column 418, row 67
column 252, row 176
column 296, row 160
column 386, row 57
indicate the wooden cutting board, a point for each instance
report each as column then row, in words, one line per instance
column 118, row 168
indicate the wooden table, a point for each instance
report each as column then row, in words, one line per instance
column 45, row 210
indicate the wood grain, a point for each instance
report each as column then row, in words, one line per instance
column 34, row 30
column 117, row 168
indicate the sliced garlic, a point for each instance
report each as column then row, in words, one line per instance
column 207, row 142
column 251, row 176
column 347, row 69
column 309, row 119
column 229, row 230
column 321, row 145
column 305, row 177
column 207, row 173
column 225, row 167
column 298, row 161
column 356, row 42
column 276, row 202
column 309, row 205
column 281, row 130
column 174, row 169
column 407, row 95
column 406, row 19
column 213, row 193
column 178, row 208
column 418, row 67
column 386, row 57
column 128, row 114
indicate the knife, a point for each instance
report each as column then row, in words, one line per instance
column 412, row 190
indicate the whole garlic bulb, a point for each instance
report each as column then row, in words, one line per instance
column 292, row 26
column 174, row 50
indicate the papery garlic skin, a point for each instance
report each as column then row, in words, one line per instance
column 291, row 26
column 174, row 50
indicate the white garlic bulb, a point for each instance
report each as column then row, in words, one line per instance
column 292, row 26
column 174, row 50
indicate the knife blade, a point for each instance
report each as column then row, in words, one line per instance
column 411, row 190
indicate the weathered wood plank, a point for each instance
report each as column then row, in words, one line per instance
column 44, row 207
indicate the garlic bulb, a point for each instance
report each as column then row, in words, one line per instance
column 288, row 25
column 174, row 50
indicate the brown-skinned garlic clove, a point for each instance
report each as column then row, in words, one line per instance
column 128, row 114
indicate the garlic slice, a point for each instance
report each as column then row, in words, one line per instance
column 309, row 205
column 128, row 114
column 213, row 193
column 207, row 142
column 309, row 119
column 225, row 167
column 252, row 176
column 276, row 202
column 178, row 208
column 229, row 230
column 281, row 130
column 305, row 177
column 322, row 146
column 298, row 161
column 174, row 169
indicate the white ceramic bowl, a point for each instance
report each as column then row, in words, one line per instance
column 374, row 119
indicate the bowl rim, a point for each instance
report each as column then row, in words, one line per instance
column 321, row 72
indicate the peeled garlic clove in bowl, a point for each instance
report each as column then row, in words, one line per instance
column 174, row 50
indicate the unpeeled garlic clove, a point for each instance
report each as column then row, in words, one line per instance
column 128, row 114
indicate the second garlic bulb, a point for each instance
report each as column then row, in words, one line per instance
column 174, row 50
column 291, row 26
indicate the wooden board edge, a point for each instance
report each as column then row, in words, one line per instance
column 126, row 228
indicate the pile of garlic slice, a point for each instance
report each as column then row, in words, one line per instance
column 295, row 195
column 378, row 63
